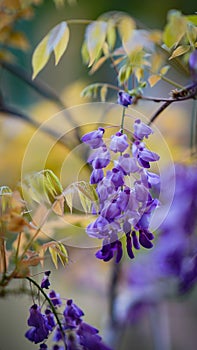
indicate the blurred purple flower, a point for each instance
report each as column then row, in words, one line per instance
column 193, row 64
column 38, row 322
column 124, row 99
column 45, row 281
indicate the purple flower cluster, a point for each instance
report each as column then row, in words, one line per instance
column 171, row 268
column 193, row 65
column 73, row 334
column 124, row 209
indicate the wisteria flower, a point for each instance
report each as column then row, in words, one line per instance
column 123, row 185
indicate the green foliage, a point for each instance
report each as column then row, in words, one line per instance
column 56, row 40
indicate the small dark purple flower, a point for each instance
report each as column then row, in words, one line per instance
column 72, row 313
column 55, row 298
column 45, row 281
column 107, row 251
column 89, row 338
column 96, row 176
column 118, row 142
column 124, row 99
column 37, row 321
column 94, row 138
column 141, row 130
column 193, row 64
column 50, row 319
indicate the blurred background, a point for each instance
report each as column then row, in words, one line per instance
column 85, row 279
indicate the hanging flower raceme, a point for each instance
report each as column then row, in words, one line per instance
column 67, row 326
column 123, row 208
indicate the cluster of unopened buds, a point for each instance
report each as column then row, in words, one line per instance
column 69, row 331
column 124, row 184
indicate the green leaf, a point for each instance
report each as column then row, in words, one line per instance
column 191, row 33
column 95, row 37
column 111, row 34
column 164, row 70
column 56, row 40
column 5, row 199
column 103, row 93
column 40, row 57
column 63, row 254
column 53, row 253
column 192, row 18
column 86, row 192
column 84, row 53
column 180, row 50
column 125, row 28
column 43, row 186
column 153, row 79
column 175, row 28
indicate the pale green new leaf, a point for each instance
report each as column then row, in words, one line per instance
column 103, row 93
column 68, row 195
column 62, row 253
column 5, row 198
column 125, row 28
column 153, row 79
column 95, row 37
column 192, row 18
column 40, row 56
column 53, row 253
column 43, row 186
column 180, row 50
column 175, row 28
column 191, row 33
column 84, row 53
column 56, row 40
column 111, row 34
column 87, row 194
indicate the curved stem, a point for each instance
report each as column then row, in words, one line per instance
column 52, row 307
column 161, row 109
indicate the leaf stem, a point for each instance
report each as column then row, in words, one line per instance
column 122, row 121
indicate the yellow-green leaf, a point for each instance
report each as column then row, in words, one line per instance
column 103, row 93
column 153, row 79
column 53, row 254
column 180, row 50
column 58, row 40
column 125, row 28
column 111, row 34
column 191, row 33
column 63, row 254
column 175, row 28
column 40, row 57
column 5, row 198
column 164, row 70
column 84, row 53
column 192, row 18
column 97, row 64
column 95, row 37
